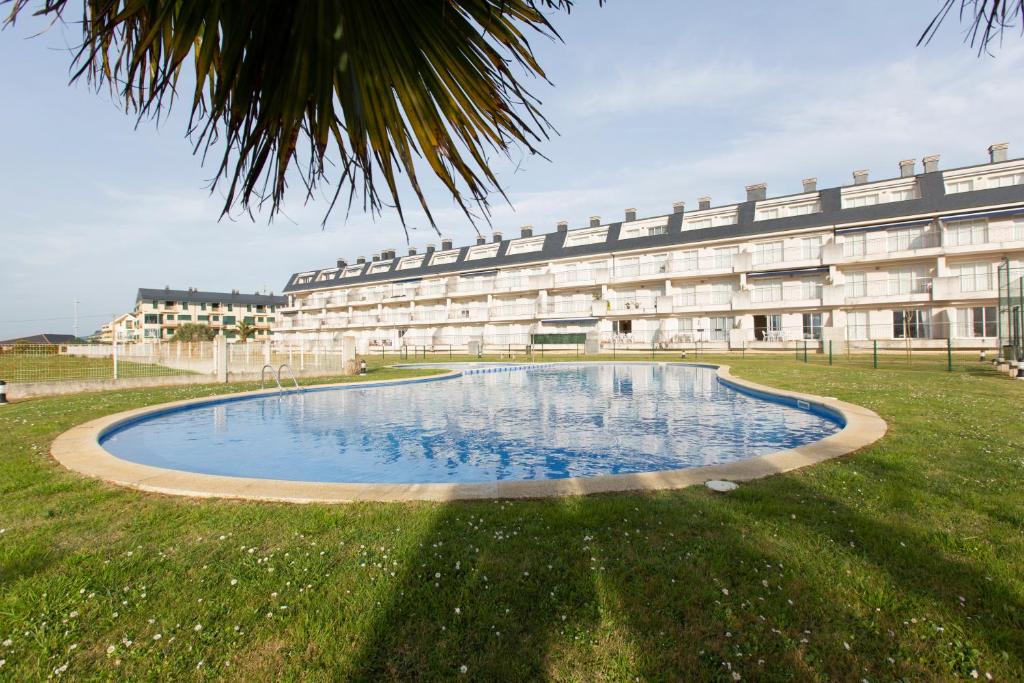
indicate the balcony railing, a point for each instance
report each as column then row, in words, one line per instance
column 570, row 307
column 513, row 310
column 712, row 298
column 889, row 287
column 787, row 292
column 581, row 275
column 638, row 304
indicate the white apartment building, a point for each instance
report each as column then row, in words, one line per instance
column 159, row 312
column 906, row 261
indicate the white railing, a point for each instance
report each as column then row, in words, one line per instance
column 888, row 287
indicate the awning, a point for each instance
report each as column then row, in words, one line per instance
column 883, row 226
column 982, row 214
column 569, row 321
column 786, row 273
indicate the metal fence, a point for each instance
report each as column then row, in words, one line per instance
column 24, row 363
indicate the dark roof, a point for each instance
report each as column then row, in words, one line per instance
column 44, row 338
column 198, row 297
column 933, row 199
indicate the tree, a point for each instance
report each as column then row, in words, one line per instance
column 244, row 329
column 193, row 332
column 370, row 86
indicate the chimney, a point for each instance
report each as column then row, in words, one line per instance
column 496, row 236
column 810, row 184
column 480, row 239
column 430, row 248
column 376, row 257
column 412, row 251
column 931, row 163
column 360, row 260
column 678, row 207
column 526, row 231
column 562, row 226
column 630, row 214
column 860, row 177
column 446, row 244
column 757, row 193
column 342, row 263
column 595, row 221
column 391, row 254
column 703, row 203
column 907, row 168
column 997, row 152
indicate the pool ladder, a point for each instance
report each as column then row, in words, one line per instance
column 276, row 374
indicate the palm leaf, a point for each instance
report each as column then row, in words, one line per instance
column 375, row 88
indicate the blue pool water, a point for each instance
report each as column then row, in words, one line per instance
column 546, row 422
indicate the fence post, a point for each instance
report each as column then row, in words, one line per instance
column 115, row 354
column 830, row 352
column 949, row 354
column 874, row 344
column 220, row 346
column 805, row 350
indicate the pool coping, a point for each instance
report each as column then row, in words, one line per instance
column 78, row 449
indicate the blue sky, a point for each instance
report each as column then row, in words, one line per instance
column 655, row 101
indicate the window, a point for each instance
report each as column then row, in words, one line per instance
column 379, row 267
column 647, row 228
column 910, row 281
column 526, row 245
column 862, row 200
column 978, row 321
column 809, row 289
column 957, row 186
column 627, row 267
column 352, row 271
column 622, row 326
column 767, row 252
column 810, row 248
column 184, row 317
column 726, row 216
column 231, row 307
column 911, row 324
column 906, row 239
column 723, row 256
column 687, row 261
column 442, row 257
column 719, row 328
column 577, row 238
column 202, row 307
column 1006, row 180
column 766, row 290
column 721, row 293
column 974, row 277
column 482, row 251
column 686, row 326
column 902, row 195
column 768, row 327
column 855, row 244
column 414, row 261
column 962, row 233
column 249, row 319
column 152, row 319
column 812, row 325
column 229, row 320
column 204, row 318
column 856, row 284
column 687, row 296
column 857, row 325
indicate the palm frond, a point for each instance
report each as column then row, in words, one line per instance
column 376, row 87
column 986, row 21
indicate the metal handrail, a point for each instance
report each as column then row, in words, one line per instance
column 276, row 375
column 290, row 372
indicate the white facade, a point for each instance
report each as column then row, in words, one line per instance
column 915, row 277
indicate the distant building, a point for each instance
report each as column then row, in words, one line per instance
column 159, row 312
column 125, row 328
column 45, row 338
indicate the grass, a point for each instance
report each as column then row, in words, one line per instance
column 901, row 562
column 29, row 367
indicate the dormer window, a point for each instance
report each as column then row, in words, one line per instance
column 645, row 228
column 578, row 238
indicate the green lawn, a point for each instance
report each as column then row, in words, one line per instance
column 902, row 562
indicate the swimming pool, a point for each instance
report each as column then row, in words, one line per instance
column 532, row 423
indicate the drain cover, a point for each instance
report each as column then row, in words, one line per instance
column 720, row 486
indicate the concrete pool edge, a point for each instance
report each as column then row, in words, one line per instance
column 79, row 450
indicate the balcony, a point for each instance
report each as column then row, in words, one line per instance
column 432, row 291
column 364, row 298
column 467, row 314
column 622, row 305
column 511, row 311
column 890, row 246
column 979, row 286
column 582, row 277
column 472, row 287
column 429, row 316
column 890, row 290
column 789, row 295
column 804, row 256
column 572, row 308
column 688, row 302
